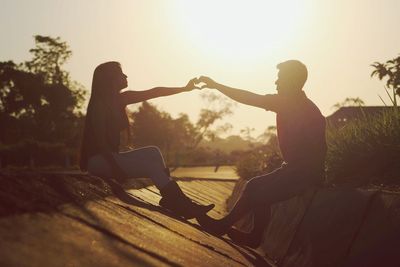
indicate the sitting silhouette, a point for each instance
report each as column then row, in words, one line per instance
column 106, row 118
column 301, row 135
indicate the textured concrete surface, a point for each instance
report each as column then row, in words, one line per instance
column 77, row 220
column 378, row 240
column 339, row 227
column 286, row 218
column 222, row 172
column 328, row 229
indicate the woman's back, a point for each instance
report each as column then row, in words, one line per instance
column 101, row 134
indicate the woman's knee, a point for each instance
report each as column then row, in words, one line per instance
column 152, row 152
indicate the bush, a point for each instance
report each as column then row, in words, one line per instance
column 366, row 150
column 260, row 160
column 32, row 153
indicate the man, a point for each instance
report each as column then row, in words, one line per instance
column 301, row 135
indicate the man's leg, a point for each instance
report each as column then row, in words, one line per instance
column 283, row 184
column 221, row 226
column 252, row 196
column 273, row 187
column 261, row 218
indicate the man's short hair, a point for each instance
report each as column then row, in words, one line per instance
column 294, row 69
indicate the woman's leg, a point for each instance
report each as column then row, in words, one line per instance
column 145, row 162
column 148, row 162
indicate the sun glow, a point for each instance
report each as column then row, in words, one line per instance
column 241, row 29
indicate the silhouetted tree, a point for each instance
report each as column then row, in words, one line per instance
column 246, row 134
column 38, row 101
column 21, row 95
column 48, row 57
column 391, row 71
column 349, row 102
column 151, row 127
column 217, row 107
column 177, row 138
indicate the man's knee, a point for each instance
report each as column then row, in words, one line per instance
column 257, row 190
column 250, row 187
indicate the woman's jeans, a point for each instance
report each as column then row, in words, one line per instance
column 145, row 162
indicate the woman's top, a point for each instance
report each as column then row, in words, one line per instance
column 102, row 131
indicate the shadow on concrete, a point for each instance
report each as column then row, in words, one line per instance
column 249, row 254
column 32, row 192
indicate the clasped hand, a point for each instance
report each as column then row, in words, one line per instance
column 200, row 83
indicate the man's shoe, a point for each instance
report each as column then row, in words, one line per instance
column 246, row 239
column 213, row 226
column 185, row 208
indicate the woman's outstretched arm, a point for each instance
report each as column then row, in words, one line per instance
column 131, row 97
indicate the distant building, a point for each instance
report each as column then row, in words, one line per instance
column 346, row 114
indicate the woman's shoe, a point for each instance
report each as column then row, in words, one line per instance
column 175, row 200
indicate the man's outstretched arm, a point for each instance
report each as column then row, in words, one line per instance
column 239, row 95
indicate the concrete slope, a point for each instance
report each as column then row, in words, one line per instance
column 77, row 220
column 333, row 227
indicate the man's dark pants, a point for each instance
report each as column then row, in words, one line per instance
column 283, row 183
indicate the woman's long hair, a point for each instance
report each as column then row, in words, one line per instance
column 103, row 96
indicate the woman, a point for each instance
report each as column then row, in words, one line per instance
column 106, row 118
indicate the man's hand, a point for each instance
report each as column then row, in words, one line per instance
column 208, row 82
column 192, row 84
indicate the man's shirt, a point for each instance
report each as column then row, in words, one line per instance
column 300, row 129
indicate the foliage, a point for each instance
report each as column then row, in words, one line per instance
column 217, row 107
column 261, row 159
column 350, row 102
column 153, row 127
column 228, row 144
column 48, row 57
column 365, row 150
column 391, row 71
column 38, row 101
column 178, row 139
column 35, row 153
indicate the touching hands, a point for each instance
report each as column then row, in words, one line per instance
column 207, row 82
column 200, row 83
column 192, row 84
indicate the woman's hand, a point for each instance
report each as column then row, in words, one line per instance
column 192, row 84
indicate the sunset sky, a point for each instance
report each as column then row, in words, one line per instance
column 238, row 43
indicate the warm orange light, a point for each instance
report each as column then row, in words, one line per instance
column 243, row 29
